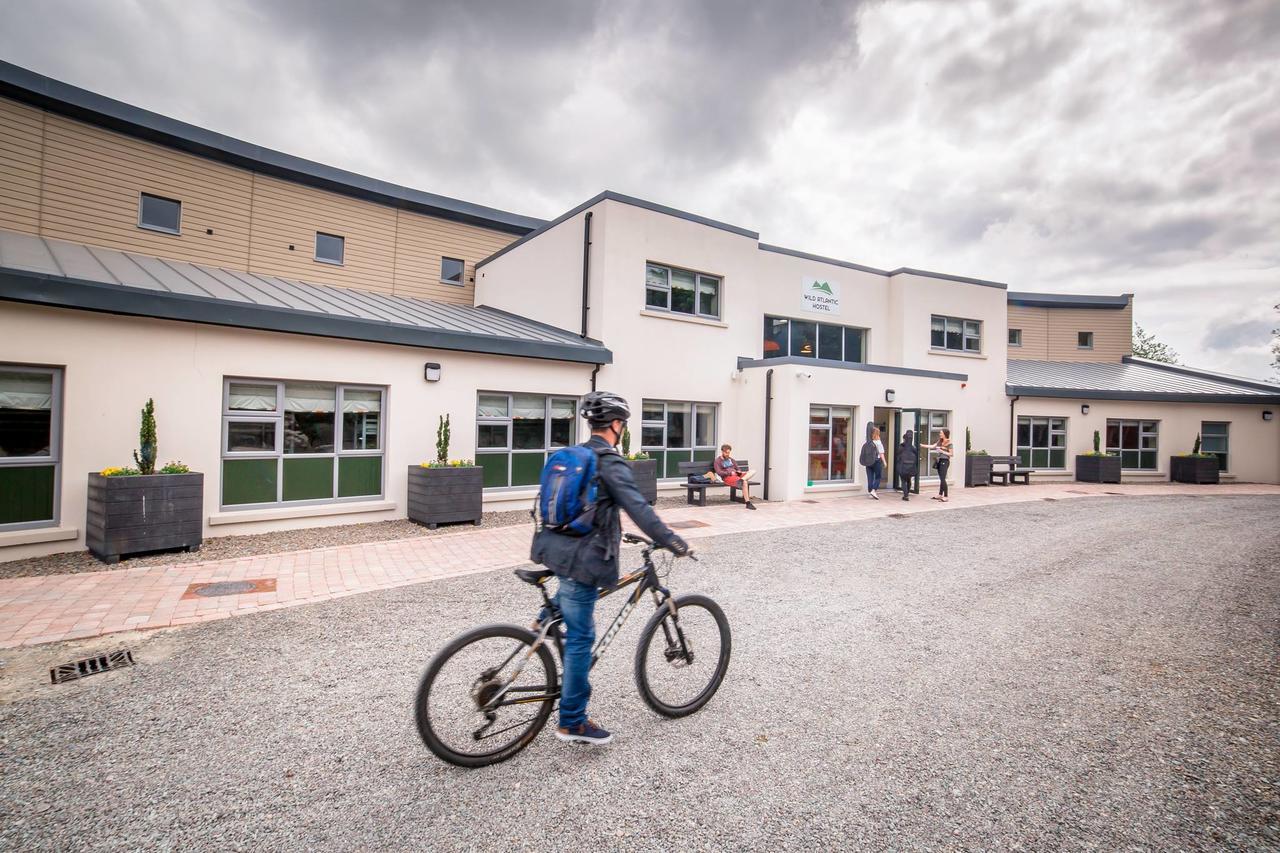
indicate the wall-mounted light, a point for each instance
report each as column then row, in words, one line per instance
column 1084, row 408
column 431, row 372
column 889, row 395
column 1266, row 416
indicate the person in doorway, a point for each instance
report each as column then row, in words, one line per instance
column 906, row 463
column 872, row 458
column 726, row 470
column 586, row 563
column 943, row 463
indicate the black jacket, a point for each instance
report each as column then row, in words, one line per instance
column 593, row 559
column 908, row 458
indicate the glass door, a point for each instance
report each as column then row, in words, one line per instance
column 903, row 420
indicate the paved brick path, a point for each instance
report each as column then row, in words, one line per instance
column 66, row 607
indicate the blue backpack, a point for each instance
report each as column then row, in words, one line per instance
column 567, row 494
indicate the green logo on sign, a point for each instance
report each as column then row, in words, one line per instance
column 822, row 286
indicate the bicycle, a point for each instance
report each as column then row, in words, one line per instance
column 462, row 689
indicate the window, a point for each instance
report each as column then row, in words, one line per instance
column 451, row 270
column 809, row 339
column 516, row 432
column 159, row 214
column 1084, row 340
column 330, row 248
column 30, row 455
column 1015, row 337
column 830, row 432
column 1137, row 442
column 673, row 431
column 284, row 442
column 955, row 335
column 1214, row 439
column 931, row 426
column 681, row 291
column 1042, row 443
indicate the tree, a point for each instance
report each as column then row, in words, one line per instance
column 1275, row 347
column 1146, row 346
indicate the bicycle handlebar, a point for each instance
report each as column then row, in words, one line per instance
column 636, row 539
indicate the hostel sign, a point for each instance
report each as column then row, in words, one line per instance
column 819, row 295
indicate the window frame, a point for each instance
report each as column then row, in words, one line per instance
column 462, row 272
column 1080, row 337
column 55, row 445
column 1015, row 337
column 809, row 452
column 342, row 260
column 510, row 451
column 817, row 338
column 698, row 279
column 931, row 433
column 1120, row 449
column 963, row 323
column 1031, row 447
column 159, row 229
column 1224, row 455
column 693, row 446
column 277, row 416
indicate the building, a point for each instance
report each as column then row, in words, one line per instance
column 302, row 329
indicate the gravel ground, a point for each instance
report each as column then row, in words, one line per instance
column 1095, row 674
column 223, row 547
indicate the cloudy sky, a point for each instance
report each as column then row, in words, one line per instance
column 1091, row 147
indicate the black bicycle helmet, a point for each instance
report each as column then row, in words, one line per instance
column 600, row 408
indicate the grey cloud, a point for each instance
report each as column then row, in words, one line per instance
column 1231, row 335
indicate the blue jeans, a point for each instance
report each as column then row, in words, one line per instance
column 875, row 473
column 577, row 603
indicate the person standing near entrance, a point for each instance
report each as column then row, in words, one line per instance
column 906, row 463
column 943, row 464
column 872, row 458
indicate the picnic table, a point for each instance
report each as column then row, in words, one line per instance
column 1012, row 471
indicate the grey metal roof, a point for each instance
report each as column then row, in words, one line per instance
column 1133, row 379
column 1068, row 300
column 58, row 97
column 71, row 275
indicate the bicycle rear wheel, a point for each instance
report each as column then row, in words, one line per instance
column 486, row 695
column 682, row 659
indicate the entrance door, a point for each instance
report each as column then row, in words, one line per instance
column 903, row 420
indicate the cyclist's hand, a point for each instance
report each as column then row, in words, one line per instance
column 679, row 547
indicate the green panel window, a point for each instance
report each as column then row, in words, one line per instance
column 308, row 479
column 526, row 468
column 30, row 461
column 1137, row 442
column 514, row 432
column 674, row 458
column 26, row 493
column 495, row 469
column 1214, row 438
column 249, row 481
column 359, row 476
column 675, row 431
column 1042, row 442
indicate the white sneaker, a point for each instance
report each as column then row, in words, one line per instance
column 874, row 495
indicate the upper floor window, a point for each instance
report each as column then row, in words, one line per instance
column 330, row 248
column 809, row 339
column 681, row 291
column 1084, row 340
column 955, row 334
column 159, row 214
column 1015, row 337
column 451, row 270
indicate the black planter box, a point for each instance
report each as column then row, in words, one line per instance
column 440, row 495
column 1097, row 469
column 1193, row 469
column 646, row 473
column 156, row 512
column 977, row 470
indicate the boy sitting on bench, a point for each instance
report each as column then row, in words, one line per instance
column 724, row 469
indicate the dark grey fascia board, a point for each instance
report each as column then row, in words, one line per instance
column 61, row 292
column 1141, row 396
column 610, row 195
column 1067, row 300
column 945, row 277
column 746, row 363
column 71, row 101
column 1202, row 374
column 764, row 247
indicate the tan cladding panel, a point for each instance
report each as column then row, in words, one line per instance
column 1112, row 333
column 422, row 242
column 93, row 179
column 1034, row 323
column 21, row 128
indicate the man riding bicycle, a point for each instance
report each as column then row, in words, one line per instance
column 585, row 563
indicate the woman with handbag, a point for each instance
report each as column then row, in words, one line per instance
column 943, row 463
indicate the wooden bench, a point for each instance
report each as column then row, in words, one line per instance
column 688, row 470
column 1012, row 472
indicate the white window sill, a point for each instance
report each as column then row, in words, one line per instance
column 956, row 354
column 842, row 486
column 310, row 511
column 36, row 535
column 684, row 318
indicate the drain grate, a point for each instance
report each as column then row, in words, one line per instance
column 1121, row 494
column 1050, row 500
column 687, row 525
column 65, row 672
column 897, row 515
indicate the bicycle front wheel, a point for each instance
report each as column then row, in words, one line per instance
column 682, row 658
column 486, row 695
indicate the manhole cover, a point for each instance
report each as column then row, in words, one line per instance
column 225, row 588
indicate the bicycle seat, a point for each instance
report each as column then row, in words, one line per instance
column 534, row 576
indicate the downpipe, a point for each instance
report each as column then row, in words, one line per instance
column 1012, row 424
column 586, row 272
column 768, row 418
